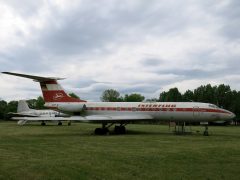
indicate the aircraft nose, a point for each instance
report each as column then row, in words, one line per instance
column 230, row 116
column 233, row 115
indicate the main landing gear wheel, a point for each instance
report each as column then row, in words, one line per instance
column 43, row 123
column 59, row 123
column 120, row 130
column 101, row 131
column 69, row 123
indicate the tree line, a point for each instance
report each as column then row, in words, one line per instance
column 111, row 95
column 220, row 95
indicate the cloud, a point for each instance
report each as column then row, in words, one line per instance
column 132, row 46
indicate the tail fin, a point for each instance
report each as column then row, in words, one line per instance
column 22, row 106
column 51, row 90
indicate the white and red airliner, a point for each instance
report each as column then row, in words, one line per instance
column 121, row 113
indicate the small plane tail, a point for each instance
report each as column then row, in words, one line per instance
column 22, row 106
column 52, row 91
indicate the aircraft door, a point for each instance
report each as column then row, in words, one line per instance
column 196, row 112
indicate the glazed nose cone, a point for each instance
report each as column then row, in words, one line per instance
column 233, row 115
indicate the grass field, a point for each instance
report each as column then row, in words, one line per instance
column 146, row 152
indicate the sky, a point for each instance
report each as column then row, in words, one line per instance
column 137, row 46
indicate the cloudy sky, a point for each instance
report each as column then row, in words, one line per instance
column 137, row 46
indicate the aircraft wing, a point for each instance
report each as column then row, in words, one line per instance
column 91, row 119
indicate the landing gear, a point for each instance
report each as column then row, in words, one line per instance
column 102, row 131
column 59, row 123
column 69, row 123
column 205, row 133
column 105, row 129
column 120, row 129
column 43, row 123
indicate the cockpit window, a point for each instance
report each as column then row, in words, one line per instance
column 212, row 106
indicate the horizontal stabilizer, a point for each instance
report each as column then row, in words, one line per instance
column 35, row 78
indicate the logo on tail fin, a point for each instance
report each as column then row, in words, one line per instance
column 58, row 96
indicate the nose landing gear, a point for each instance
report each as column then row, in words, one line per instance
column 205, row 133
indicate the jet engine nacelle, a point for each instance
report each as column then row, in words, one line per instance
column 72, row 107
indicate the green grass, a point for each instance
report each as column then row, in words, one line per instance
column 146, row 152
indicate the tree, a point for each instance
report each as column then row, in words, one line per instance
column 40, row 103
column 36, row 103
column 224, row 96
column 134, row 98
column 163, row 96
column 32, row 103
column 210, row 94
column 152, row 100
column 188, row 96
column 173, row 95
column 11, row 107
column 74, row 95
column 198, row 94
column 206, row 94
column 3, row 107
column 235, row 103
column 111, row 95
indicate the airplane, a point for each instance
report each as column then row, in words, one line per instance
column 122, row 113
column 23, row 110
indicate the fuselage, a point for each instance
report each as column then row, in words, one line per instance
column 55, row 97
column 41, row 113
column 160, row 111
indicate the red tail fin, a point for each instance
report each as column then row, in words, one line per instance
column 53, row 92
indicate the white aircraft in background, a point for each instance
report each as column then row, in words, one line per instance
column 23, row 110
column 122, row 113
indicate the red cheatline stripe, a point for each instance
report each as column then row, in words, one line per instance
column 156, row 109
column 153, row 109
